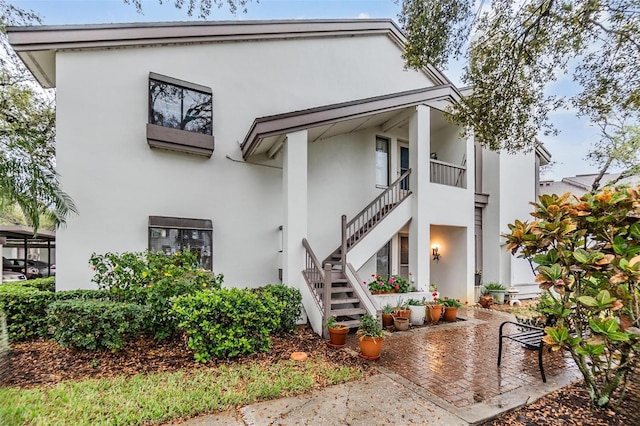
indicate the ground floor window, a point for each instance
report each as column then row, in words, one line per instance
column 172, row 234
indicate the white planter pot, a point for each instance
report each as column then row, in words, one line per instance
column 417, row 314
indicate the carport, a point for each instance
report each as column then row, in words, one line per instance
column 18, row 236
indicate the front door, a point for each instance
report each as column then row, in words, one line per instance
column 403, row 166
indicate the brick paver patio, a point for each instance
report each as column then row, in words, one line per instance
column 457, row 362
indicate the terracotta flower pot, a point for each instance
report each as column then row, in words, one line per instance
column 401, row 324
column 370, row 347
column 403, row 313
column 387, row 320
column 450, row 314
column 338, row 337
column 434, row 312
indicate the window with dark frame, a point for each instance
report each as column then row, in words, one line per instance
column 180, row 116
column 170, row 235
column 179, row 107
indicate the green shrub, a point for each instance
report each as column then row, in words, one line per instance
column 227, row 322
column 42, row 284
column 152, row 279
column 292, row 299
column 82, row 295
column 95, row 324
column 160, row 322
column 126, row 275
column 26, row 310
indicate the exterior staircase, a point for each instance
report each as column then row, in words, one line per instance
column 334, row 283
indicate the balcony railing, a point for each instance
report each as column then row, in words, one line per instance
column 448, row 174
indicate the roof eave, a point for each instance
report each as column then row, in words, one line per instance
column 274, row 125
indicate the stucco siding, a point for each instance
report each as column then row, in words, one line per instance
column 117, row 181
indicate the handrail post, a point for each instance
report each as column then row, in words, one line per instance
column 326, row 292
column 343, row 251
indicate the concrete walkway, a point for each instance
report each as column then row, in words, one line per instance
column 437, row 375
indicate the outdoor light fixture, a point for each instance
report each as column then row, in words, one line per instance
column 436, row 255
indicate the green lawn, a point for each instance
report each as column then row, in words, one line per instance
column 161, row 397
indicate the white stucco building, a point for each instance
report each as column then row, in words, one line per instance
column 242, row 139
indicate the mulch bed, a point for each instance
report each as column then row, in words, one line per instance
column 45, row 363
column 571, row 406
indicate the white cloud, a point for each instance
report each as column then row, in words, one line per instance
column 363, row 15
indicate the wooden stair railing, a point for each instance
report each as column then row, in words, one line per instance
column 333, row 291
column 357, row 228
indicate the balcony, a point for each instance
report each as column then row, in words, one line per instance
column 448, row 174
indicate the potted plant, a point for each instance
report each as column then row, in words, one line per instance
column 371, row 337
column 434, row 291
column 401, row 323
column 378, row 285
column 497, row 291
column 434, row 310
column 451, row 309
column 387, row 315
column 337, row 333
column 402, row 309
column 417, row 310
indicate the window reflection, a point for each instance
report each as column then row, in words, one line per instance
column 180, row 108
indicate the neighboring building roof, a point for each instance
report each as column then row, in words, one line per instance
column 387, row 108
column 581, row 184
column 37, row 45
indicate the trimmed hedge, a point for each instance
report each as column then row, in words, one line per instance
column 95, row 324
column 42, row 284
column 26, row 308
column 292, row 299
column 227, row 322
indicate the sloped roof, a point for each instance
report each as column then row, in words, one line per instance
column 37, row 45
column 581, row 184
column 275, row 125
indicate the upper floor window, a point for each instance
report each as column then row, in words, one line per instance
column 180, row 116
column 179, row 107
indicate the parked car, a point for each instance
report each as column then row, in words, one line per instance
column 43, row 267
column 10, row 276
column 17, row 265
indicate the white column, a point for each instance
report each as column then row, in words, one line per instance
column 419, row 232
column 294, row 196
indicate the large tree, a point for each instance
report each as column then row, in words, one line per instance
column 618, row 147
column 517, row 49
column 28, row 177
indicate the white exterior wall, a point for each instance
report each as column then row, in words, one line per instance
column 117, row 181
column 510, row 182
column 518, row 185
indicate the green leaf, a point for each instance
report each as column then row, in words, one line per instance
column 588, row 301
column 581, row 255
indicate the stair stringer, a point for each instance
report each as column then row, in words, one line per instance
column 380, row 234
column 311, row 308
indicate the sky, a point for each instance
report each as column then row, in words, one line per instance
column 568, row 148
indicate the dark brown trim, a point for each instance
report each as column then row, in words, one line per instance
column 179, row 140
column 180, row 223
column 58, row 37
column 278, row 124
column 481, row 200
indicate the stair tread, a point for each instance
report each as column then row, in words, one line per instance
column 345, row 300
column 347, row 312
column 339, row 281
column 341, row 289
column 351, row 323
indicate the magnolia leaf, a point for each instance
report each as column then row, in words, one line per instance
column 618, row 336
column 588, row 301
column 581, row 255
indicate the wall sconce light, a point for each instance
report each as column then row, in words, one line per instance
column 435, row 250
